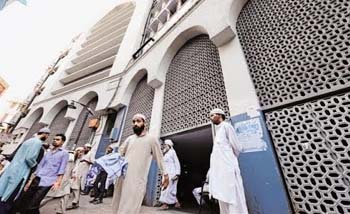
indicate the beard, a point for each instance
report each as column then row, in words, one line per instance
column 46, row 145
column 43, row 138
column 138, row 130
column 216, row 122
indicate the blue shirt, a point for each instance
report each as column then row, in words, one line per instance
column 51, row 166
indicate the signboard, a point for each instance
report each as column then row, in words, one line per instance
column 250, row 135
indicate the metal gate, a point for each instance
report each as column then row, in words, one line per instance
column 298, row 56
column 194, row 85
column 59, row 124
column 86, row 132
column 141, row 102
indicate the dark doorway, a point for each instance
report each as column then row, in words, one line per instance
column 193, row 149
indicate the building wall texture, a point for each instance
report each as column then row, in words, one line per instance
column 299, row 62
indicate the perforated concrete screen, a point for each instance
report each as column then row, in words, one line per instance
column 34, row 128
column 194, row 85
column 141, row 102
column 296, row 49
column 59, row 125
column 312, row 141
column 86, row 132
column 298, row 57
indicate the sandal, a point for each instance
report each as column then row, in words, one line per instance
column 164, row 207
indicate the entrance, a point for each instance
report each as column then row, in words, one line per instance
column 193, row 149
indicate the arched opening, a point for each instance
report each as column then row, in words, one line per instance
column 81, row 133
column 141, row 102
column 36, row 125
column 59, row 124
column 194, row 85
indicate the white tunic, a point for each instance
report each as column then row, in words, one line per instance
column 225, row 181
column 83, row 168
column 172, row 166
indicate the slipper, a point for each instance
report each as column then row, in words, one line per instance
column 164, row 207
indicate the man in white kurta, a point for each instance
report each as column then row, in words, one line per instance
column 138, row 149
column 225, row 181
column 172, row 167
column 80, row 172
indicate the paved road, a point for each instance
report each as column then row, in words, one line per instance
column 105, row 208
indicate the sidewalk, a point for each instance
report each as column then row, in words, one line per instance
column 104, row 208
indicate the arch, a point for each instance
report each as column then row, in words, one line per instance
column 88, row 97
column 33, row 117
column 194, row 85
column 235, row 10
column 51, row 114
column 141, row 101
column 59, row 123
column 81, row 133
column 175, row 46
column 33, row 123
column 131, row 85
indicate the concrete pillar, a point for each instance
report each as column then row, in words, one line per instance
column 260, row 169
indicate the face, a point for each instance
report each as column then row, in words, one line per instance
column 57, row 141
column 166, row 148
column 109, row 150
column 86, row 149
column 79, row 153
column 44, row 136
column 138, row 125
column 216, row 118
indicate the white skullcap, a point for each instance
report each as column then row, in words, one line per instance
column 169, row 142
column 44, row 130
column 87, row 145
column 217, row 111
column 79, row 148
column 139, row 116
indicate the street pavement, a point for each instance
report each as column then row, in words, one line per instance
column 104, row 208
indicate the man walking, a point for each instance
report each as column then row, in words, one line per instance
column 14, row 177
column 100, row 182
column 80, row 172
column 172, row 166
column 138, row 150
column 225, row 181
column 48, row 175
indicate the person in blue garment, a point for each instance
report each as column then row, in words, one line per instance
column 14, row 177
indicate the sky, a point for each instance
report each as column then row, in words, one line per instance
column 32, row 36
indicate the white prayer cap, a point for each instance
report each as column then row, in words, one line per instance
column 87, row 145
column 139, row 116
column 79, row 148
column 217, row 111
column 44, row 130
column 169, row 142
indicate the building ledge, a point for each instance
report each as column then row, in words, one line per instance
column 88, row 70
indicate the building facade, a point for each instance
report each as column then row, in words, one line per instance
column 279, row 69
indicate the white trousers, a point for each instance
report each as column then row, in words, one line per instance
column 226, row 208
column 197, row 194
column 63, row 204
column 76, row 195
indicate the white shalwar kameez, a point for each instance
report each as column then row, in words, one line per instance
column 225, row 181
column 172, row 166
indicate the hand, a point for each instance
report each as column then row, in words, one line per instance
column 26, row 187
column 176, row 177
column 56, row 186
column 74, row 177
column 165, row 181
